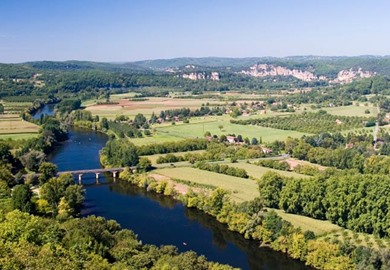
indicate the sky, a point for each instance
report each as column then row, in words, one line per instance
column 131, row 30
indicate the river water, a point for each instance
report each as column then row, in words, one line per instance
column 158, row 219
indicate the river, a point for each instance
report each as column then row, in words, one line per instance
column 158, row 219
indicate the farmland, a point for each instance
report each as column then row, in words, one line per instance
column 12, row 126
column 147, row 107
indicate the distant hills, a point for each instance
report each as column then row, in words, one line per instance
column 320, row 65
column 306, row 68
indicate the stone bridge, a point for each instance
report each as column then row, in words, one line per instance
column 115, row 172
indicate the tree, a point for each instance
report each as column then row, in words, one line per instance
column 63, row 186
column 64, row 210
column 254, row 141
column 119, row 153
column 21, row 198
column 32, row 160
column 47, row 170
column 104, row 123
column 6, row 175
column 74, row 196
column 144, row 164
column 5, row 154
column 270, row 186
column 139, row 120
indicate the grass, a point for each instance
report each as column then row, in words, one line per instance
column 319, row 227
column 358, row 239
column 241, row 189
column 156, row 138
column 19, row 136
column 258, row 171
column 353, row 110
column 212, row 123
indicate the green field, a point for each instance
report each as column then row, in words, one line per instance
column 353, row 110
column 309, row 224
column 258, row 171
column 212, row 123
column 19, row 136
column 241, row 189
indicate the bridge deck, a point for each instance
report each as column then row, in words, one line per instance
column 100, row 170
column 93, row 171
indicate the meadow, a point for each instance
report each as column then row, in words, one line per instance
column 212, row 124
column 353, row 110
column 319, row 227
column 240, row 189
column 258, row 171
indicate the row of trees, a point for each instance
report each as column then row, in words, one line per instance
column 223, row 169
column 274, row 164
column 215, row 152
column 172, row 147
column 186, row 113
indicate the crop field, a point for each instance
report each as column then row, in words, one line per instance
column 15, row 107
column 12, row 126
column 241, row 189
column 319, row 227
column 258, row 171
column 147, row 107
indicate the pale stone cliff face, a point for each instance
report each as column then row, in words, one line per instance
column 344, row 76
column 194, row 76
column 264, row 70
column 347, row 76
column 214, row 76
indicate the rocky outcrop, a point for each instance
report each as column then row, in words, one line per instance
column 344, row 76
column 347, row 76
column 264, row 70
column 214, row 76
